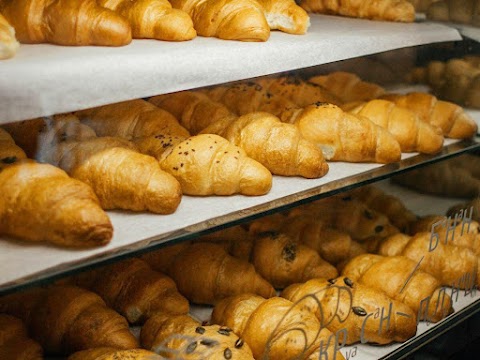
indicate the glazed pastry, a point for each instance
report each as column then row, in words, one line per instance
column 66, row 319
column 388, row 10
column 227, row 19
column 134, row 290
column 345, row 306
column 275, row 328
column 348, row 87
column 452, row 119
column 400, row 279
column 66, row 22
column 412, row 134
column 181, row 337
column 8, row 43
column 205, row 273
column 153, row 19
column 14, row 341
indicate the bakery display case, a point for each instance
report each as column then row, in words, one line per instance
column 45, row 80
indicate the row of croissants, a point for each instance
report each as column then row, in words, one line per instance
column 144, row 155
column 353, row 268
column 116, row 22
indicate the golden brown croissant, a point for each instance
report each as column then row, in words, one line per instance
column 65, row 319
column 121, row 177
column 456, row 80
column 66, row 22
column 105, row 353
column 400, row 279
column 413, row 134
column 276, row 145
column 347, row 214
column 300, row 92
column 181, row 337
column 194, row 110
column 450, row 177
column 208, row 164
column 131, row 119
column 8, row 43
column 452, row 265
column 282, row 261
column 14, row 341
column 359, row 311
column 227, row 19
column 44, row 191
column 451, row 118
column 205, row 273
column 341, row 136
column 386, row 204
column 134, row 290
column 285, row 15
column 348, row 87
column 276, row 328
column 459, row 11
column 153, row 19
column 389, row 10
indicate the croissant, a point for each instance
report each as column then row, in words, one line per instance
column 388, row 10
column 456, row 80
column 386, row 204
column 283, row 261
column 400, row 279
column 41, row 190
column 474, row 205
column 65, row 319
column 343, row 305
column 301, row 92
column 14, row 341
column 447, row 178
column 8, row 43
column 449, row 263
column 286, row 16
column 131, row 119
column 341, row 136
column 348, row 215
column 105, row 353
column 121, row 177
column 348, row 87
column 181, row 337
column 451, row 118
column 227, row 19
column 276, row 145
column 207, row 164
column 134, row 290
column 205, row 273
column 194, row 110
column 459, row 11
column 39, row 135
column 276, row 328
column 153, row 19
column 66, row 22
column 412, row 134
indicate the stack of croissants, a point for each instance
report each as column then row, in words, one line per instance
column 353, row 268
column 144, row 155
column 116, row 22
